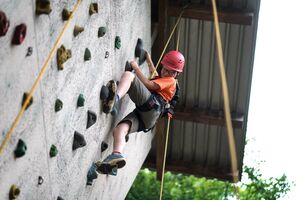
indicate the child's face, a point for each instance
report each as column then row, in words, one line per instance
column 167, row 73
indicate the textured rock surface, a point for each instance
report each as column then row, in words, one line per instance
column 66, row 174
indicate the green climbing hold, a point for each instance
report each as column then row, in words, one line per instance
column 92, row 174
column 58, row 105
column 25, row 95
column 101, row 31
column 43, row 7
column 77, row 30
column 60, row 198
column 53, row 151
column 66, row 14
column 118, row 42
column 14, row 192
column 91, row 119
column 93, row 8
column 80, row 100
column 87, row 54
column 21, row 149
column 127, row 138
column 62, row 56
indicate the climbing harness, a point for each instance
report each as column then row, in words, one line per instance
column 37, row 81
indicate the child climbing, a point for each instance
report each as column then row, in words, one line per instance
column 151, row 97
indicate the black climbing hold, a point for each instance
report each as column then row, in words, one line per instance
column 118, row 42
column 104, row 92
column 101, row 31
column 104, row 146
column 53, row 151
column 128, row 67
column 78, row 141
column 25, row 95
column 62, row 56
column 92, row 174
column 40, row 180
column 87, row 54
column 58, row 105
column 66, row 14
column 139, row 52
column 19, row 34
column 60, row 198
column 93, row 8
column 21, row 149
column 91, row 119
column 80, row 100
column 106, row 54
column 77, row 30
column 29, row 51
column 127, row 138
column 14, row 192
column 4, row 24
column 43, row 7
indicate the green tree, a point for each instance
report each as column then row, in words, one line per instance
column 179, row 186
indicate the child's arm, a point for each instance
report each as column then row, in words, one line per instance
column 150, row 65
column 150, row 85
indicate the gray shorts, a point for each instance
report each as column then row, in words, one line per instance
column 140, row 121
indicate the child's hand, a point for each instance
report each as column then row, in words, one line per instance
column 134, row 65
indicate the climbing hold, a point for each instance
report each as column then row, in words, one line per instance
column 87, row 54
column 78, row 141
column 62, row 56
column 139, row 52
column 104, row 146
column 91, row 119
column 29, row 51
column 21, row 149
column 128, row 67
column 101, row 31
column 53, row 151
column 59, row 198
column 14, row 192
column 93, row 8
column 77, row 30
column 19, row 34
column 118, row 42
column 4, row 24
column 127, row 138
column 43, row 7
column 80, row 100
column 40, row 180
column 104, row 92
column 25, row 95
column 66, row 14
column 106, row 54
column 92, row 174
column 58, row 105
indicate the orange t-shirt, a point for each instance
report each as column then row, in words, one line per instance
column 167, row 87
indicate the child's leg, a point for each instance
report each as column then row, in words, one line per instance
column 119, row 134
column 125, row 83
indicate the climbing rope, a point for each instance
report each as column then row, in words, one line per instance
column 169, row 118
column 226, row 97
column 37, row 81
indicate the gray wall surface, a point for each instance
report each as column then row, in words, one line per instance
column 66, row 174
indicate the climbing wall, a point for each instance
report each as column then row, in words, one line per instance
column 66, row 94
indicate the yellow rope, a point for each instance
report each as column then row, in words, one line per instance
column 36, row 82
column 226, row 97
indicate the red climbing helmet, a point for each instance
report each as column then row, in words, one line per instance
column 173, row 60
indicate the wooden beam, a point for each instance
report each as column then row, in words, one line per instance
column 192, row 169
column 198, row 11
column 215, row 117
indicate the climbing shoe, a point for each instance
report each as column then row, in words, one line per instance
column 110, row 104
column 110, row 163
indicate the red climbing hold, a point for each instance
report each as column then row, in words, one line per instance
column 19, row 34
column 4, row 24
